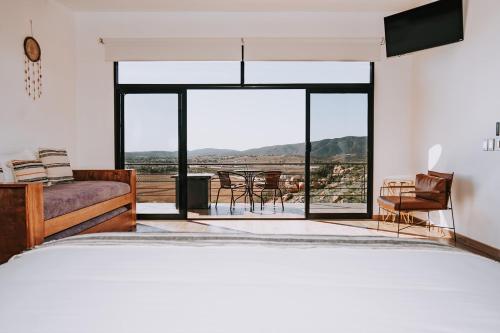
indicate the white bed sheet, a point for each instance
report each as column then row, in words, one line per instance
column 196, row 287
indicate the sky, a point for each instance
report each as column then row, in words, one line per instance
column 238, row 119
column 241, row 119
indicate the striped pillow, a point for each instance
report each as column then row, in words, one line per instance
column 30, row 171
column 56, row 162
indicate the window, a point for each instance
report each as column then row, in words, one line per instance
column 179, row 72
column 306, row 72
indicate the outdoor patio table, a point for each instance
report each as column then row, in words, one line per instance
column 249, row 175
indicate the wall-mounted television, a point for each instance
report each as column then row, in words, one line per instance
column 435, row 24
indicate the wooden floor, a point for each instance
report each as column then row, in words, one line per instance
column 297, row 227
column 310, row 227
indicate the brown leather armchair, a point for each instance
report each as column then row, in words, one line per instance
column 432, row 192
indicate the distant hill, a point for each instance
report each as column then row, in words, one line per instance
column 353, row 146
column 349, row 145
column 154, row 154
column 213, row 152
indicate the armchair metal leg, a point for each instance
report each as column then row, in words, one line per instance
column 217, row 199
column 281, row 196
column 399, row 220
column 258, row 196
column 252, row 202
column 378, row 218
column 429, row 222
column 453, row 221
column 233, row 203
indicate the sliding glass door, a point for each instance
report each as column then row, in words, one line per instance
column 338, row 154
column 152, row 146
column 308, row 124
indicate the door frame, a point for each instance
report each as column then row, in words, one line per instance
column 120, row 93
column 181, row 89
column 370, row 126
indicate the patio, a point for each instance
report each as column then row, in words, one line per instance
column 336, row 188
column 241, row 210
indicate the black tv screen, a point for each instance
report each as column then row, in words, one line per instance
column 435, row 24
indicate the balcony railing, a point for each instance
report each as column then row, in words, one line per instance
column 331, row 182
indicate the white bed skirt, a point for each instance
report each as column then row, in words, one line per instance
column 239, row 283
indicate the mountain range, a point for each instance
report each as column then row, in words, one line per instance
column 354, row 146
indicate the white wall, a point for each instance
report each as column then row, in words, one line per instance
column 392, row 124
column 50, row 120
column 456, row 106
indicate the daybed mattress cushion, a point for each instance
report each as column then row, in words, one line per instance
column 61, row 199
column 76, row 229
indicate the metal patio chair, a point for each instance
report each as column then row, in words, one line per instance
column 227, row 184
column 271, row 183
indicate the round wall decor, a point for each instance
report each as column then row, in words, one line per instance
column 32, row 67
column 32, row 49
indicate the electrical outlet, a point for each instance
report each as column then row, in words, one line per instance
column 491, row 144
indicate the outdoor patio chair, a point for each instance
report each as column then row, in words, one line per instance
column 271, row 183
column 432, row 192
column 226, row 184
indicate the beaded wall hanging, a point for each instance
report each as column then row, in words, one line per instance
column 32, row 67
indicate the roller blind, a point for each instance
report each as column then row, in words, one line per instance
column 172, row 49
column 312, row 49
column 229, row 49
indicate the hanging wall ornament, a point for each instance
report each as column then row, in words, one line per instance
column 32, row 67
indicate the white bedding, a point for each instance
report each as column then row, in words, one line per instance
column 184, row 283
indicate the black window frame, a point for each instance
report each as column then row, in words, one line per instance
column 120, row 90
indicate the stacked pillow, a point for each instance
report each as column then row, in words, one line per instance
column 52, row 167
column 29, row 171
column 56, row 162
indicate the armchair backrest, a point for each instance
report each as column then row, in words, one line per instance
column 449, row 181
column 272, row 179
column 447, row 176
column 431, row 188
column 224, row 178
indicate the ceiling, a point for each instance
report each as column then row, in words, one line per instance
column 240, row 5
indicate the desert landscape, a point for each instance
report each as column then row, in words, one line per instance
column 338, row 170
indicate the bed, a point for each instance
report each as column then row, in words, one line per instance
column 173, row 282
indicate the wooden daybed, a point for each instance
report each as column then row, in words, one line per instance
column 23, row 223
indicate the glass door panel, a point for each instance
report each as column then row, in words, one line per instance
column 338, row 154
column 246, row 145
column 151, row 142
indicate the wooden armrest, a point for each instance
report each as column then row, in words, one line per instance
column 21, row 218
column 124, row 176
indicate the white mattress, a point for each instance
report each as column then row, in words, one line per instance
column 199, row 283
